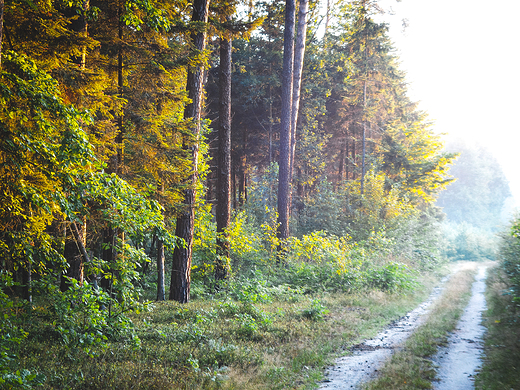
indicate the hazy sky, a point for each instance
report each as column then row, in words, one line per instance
column 462, row 59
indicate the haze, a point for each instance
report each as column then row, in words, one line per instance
column 461, row 59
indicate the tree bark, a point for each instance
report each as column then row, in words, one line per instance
column 160, row 271
column 299, row 54
column 223, row 209
column 1, row 28
column 285, row 129
column 242, row 171
column 182, row 255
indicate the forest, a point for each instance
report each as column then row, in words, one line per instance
column 235, row 157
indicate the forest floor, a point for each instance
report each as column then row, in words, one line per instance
column 456, row 361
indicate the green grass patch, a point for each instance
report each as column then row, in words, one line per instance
column 411, row 367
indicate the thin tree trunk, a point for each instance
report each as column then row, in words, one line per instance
column 364, row 105
column 341, row 167
column 223, row 210
column 347, row 176
column 271, row 122
column 354, row 159
column 119, row 137
column 160, row 271
column 242, row 171
column 327, row 22
column 285, row 130
column 299, row 54
column 363, row 159
column 1, row 28
column 26, row 282
column 182, row 255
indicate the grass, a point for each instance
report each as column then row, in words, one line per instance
column 411, row 367
column 227, row 344
column 501, row 368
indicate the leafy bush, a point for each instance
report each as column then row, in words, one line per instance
column 391, row 277
column 316, row 311
column 509, row 255
column 11, row 334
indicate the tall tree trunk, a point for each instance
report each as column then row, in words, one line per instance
column 160, row 271
column 242, row 171
column 27, row 282
column 182, row 255
column 1, row 28
column 285, row 129
column 224, row 161
column 341, row 167
column 114, row 166
column 271, row 121
column 119, row 137
column 354, row 158
column 364, row 103
column 347, row 158
column 299, row 54
column 327, row 22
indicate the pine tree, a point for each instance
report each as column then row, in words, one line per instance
column 182, row 255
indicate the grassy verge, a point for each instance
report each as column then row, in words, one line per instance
column 411, row 367
column 501, row 369
column 249, row 344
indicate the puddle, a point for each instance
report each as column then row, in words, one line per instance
column 459, row 361
column 351, row 371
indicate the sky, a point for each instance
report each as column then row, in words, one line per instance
column 462, row 59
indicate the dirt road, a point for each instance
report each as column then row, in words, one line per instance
column 457, row 362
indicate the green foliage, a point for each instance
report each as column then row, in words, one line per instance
column 316, row 311
column 509, row 255
column 42, row 149
column 86, row 317
column 467, row 242
column 391, row 277
column 11, row 334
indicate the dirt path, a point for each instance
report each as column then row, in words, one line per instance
column 461, row 358
column 350, row 371
column 457, row 362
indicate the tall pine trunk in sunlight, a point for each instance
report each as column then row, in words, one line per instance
column 182, row 255
column 299, row 54
column 284, row 179
column 1, row 28
column 223, row 208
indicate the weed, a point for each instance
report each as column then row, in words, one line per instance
column 316, row 311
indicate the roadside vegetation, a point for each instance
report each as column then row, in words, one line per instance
column 501, row 369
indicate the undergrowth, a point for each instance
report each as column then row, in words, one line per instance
column 252, row 336
column 501, row 368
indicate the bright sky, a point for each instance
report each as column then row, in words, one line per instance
column 462, row 59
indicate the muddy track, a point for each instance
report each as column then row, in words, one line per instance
column 349, row 372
